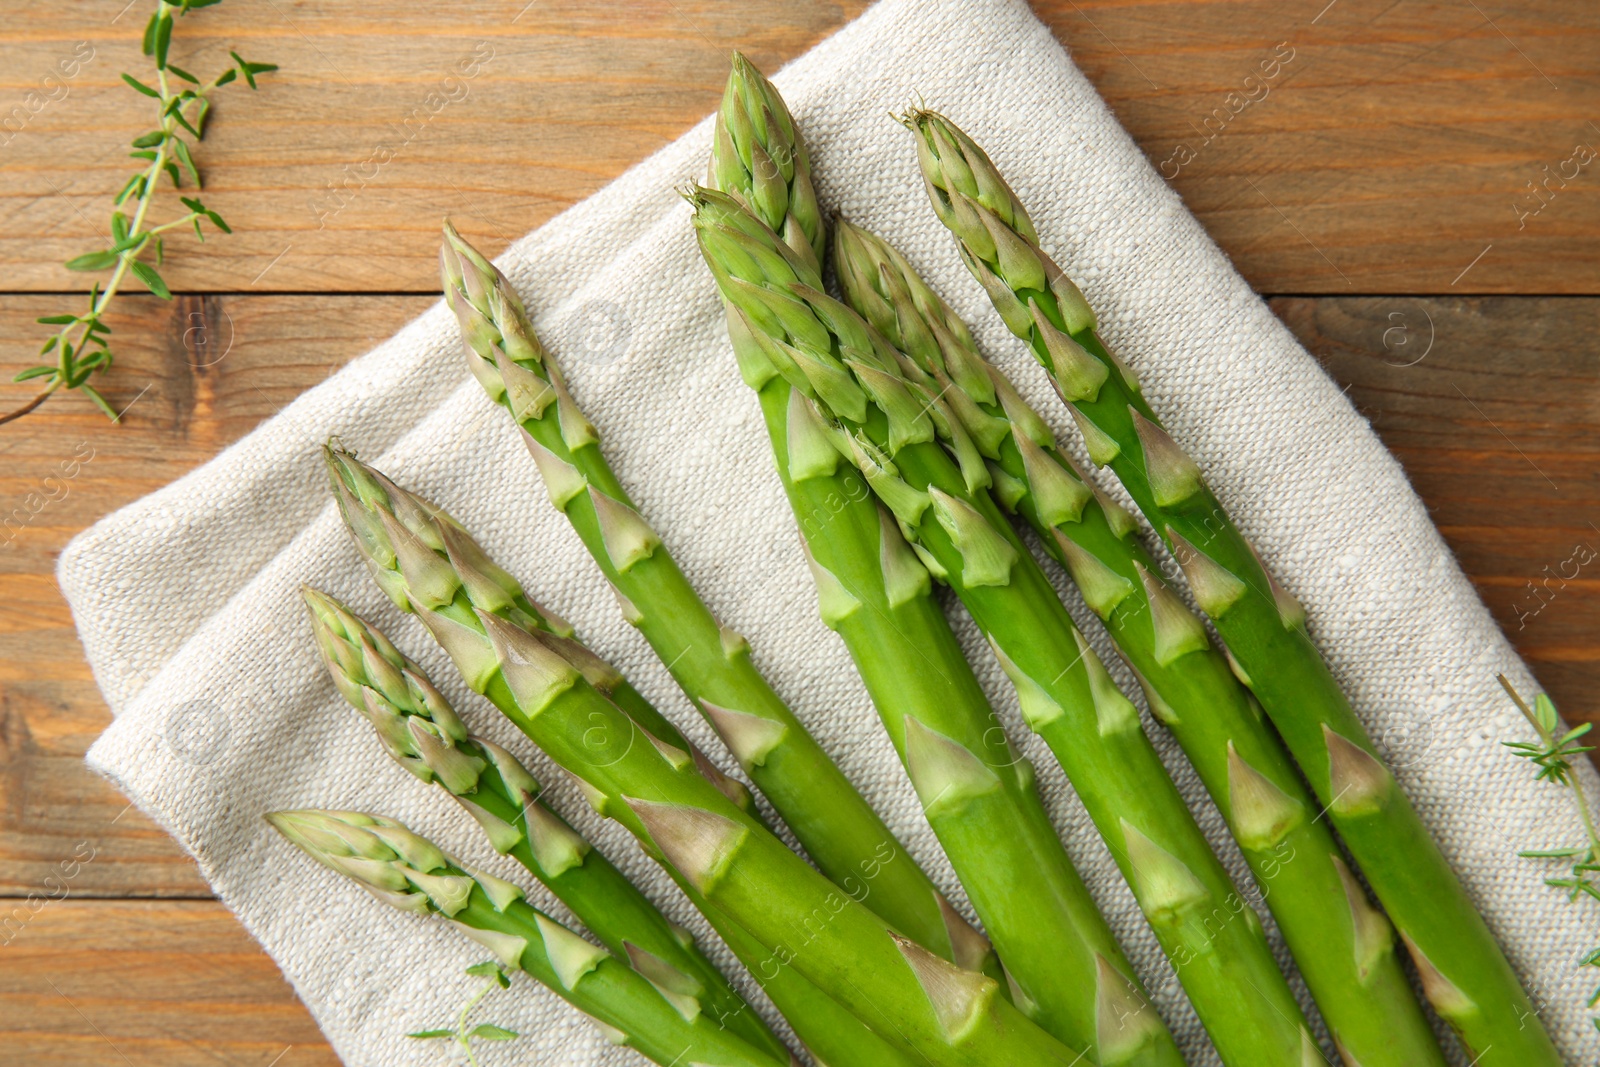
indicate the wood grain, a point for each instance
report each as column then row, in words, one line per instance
column 1384, row 156
column 148, row 984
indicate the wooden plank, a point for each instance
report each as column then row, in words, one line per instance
column 1492, row 405
column 1364, row 146
column 1526, row 368
column 1388, row 151
column 194, row 376
column 562, row 98
column 157, row 983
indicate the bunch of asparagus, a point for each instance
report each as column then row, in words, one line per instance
column 884, row 417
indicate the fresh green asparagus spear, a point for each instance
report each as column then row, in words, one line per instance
column 1064, row 966
column 1464, row 974
column 420, row 729
column 922, row 1005
column 710, row 662
column 858, row 401
column 1344, row 947
column 412, row 874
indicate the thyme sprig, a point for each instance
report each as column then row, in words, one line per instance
column 1553, row 755
column 463, row 1037
column 183, row 102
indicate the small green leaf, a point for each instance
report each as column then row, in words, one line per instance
column 147, row 274
column 216, row 220
column 172, row 172
column 119, row 226
column 1545, row 711
column 429, row 1035
column 181, row 149
column 93, row 261
column 200, row 114
column 250, row 70
column 149, row 140
column 50, row 345
column 144, row 154
column 1550, row 853
column 148, row 44
column 163, row 40
column 141, row 86
column 491, row 1032
column 33, row 372
column 183, row 97
column 227, row 76
column 181, row 121
column 185, row 75
column 486, row 969
column 100, row 402
column 135, row 187
column 56, row 320
column 196, row 221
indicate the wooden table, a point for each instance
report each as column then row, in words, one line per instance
column 1379, row 190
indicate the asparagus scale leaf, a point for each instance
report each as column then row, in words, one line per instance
column 412, row 874
column 1465, row 976
column 1345, row 948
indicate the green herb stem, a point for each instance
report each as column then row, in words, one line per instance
column 79, row 345
column 1553, row 756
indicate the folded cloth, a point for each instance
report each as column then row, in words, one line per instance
column 186, row 600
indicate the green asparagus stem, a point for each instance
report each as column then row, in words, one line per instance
column 420, row 729
column 1345, row 948
column 411, row 873
column 858, row 400
column 710, row 662
column 1464, row 974
column 1065, row 969
column 920, row 1004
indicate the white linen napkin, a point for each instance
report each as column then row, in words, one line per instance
column 186, row 600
